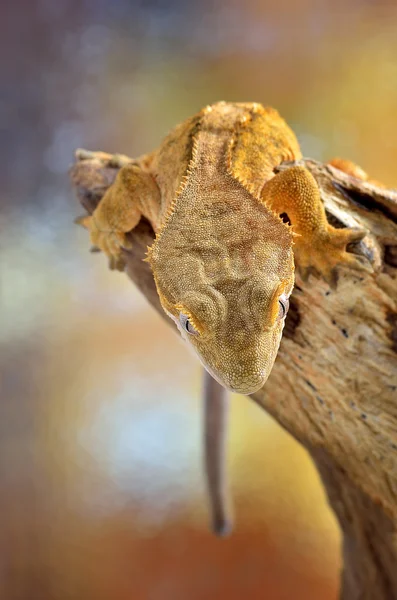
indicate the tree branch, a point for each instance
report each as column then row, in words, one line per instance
column 334, row 383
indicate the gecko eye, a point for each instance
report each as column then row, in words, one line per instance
column 186, row 324
column 283, row 307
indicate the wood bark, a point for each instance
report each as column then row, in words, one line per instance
column 334, row 383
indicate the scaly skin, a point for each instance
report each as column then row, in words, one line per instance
column 223, row 259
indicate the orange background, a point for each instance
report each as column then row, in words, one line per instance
column 102, row 494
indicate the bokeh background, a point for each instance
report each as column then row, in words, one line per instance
column 101, row 488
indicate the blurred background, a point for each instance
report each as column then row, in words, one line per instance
column 101, row 488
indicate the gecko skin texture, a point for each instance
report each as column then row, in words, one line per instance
column 223, row 258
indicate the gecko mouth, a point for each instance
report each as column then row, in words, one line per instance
column 244, row 388
column 245, row 385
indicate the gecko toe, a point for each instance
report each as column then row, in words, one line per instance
column 355, row 235
column 332, row 278
column 118, row 160
column 82, row 154
column 342, row 237
column 357, row 261
column 116, row 263
column 305, row 272
column 84, row 221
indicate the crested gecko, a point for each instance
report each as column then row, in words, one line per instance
column 228, row 234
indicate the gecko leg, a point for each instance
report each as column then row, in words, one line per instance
column 350, row 168
column 215, row 426
column 317, row 245
column 133, row 194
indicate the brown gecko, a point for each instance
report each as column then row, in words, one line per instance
column 228, row 233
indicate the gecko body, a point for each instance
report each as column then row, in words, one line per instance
column 229, row 231
column 223, row 257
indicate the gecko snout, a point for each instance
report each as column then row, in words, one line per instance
column 243, row 366
column 245, row 375
column 241, row 385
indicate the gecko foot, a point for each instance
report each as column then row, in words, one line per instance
column 326, row 253
column 115, row 161
column 110, row 242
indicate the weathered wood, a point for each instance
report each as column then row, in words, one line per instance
column 334, row 383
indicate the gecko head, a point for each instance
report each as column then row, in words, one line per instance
column 235, row 346
column 229, row 307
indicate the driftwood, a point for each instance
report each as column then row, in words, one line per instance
column 334, row 383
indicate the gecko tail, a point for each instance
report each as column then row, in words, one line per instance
column 221, row 526
column 215, row 437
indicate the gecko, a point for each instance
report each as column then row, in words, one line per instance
column 229, row 231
